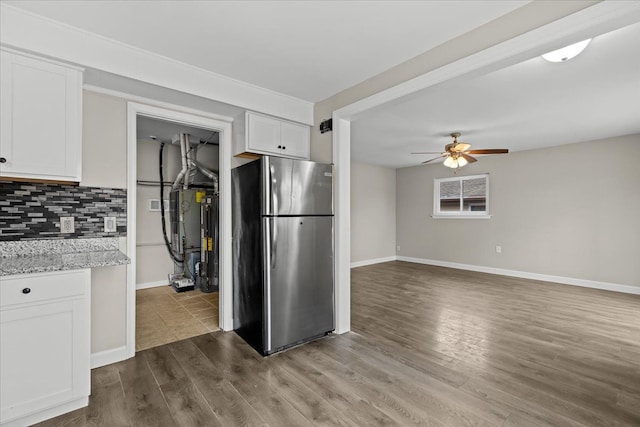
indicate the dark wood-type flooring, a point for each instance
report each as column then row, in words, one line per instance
column 430, row 346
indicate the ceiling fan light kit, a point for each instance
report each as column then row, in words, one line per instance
column 455, row 163
column 457, row 154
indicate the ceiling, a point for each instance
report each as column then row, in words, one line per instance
column 314, row 49
column 164, row 131
column 529, row 105
column 310, row 50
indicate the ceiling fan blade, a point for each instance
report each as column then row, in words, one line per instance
column 468, row 158
column 428, row 152
column 461, row 146
column 435, row 158
column 489, row 151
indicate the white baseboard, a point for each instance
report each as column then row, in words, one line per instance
column 48, row 413
column 108, row 357
column 372, row 261
column 616, row 287
column 151, row 284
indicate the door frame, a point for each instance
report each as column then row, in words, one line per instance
column 189, row 117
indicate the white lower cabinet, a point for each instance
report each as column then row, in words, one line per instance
column 44, row 345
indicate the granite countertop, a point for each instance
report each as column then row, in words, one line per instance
column 37, row 256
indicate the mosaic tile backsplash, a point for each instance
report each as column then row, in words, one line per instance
column 33, row 211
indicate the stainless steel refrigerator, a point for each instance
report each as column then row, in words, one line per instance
column 282, row 252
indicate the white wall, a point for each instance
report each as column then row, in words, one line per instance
column 153, row 261
column 373, row 213
column 104, row 140
column 569, row 211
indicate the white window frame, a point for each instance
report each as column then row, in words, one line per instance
column 460, row 214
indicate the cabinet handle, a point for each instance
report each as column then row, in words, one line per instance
column 26, row 290
column 279, row 146
column 3, row 160
column 284, row 148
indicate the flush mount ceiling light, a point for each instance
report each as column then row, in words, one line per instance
column 566, row 53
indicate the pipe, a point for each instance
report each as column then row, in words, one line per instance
column 184, row 138
column 172, row 254
column 185, row 168
column 192, row 152
column 190, row 166
column 209, row 174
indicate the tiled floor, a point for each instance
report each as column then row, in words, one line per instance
column 164, row 316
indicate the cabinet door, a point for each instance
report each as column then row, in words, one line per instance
column 294, row 140
column 42, row 359
column 263, row 134
column 40, row 119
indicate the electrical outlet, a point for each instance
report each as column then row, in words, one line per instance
column 398, row 248
column 110, row 224
column 498, row 249
column 67, row 224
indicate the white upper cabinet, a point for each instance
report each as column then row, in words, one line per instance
column 41, row 118
column 276, row 137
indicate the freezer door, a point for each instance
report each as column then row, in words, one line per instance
column 298, row 279
column 296, row 187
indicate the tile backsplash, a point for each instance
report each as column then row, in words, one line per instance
column 33, row 211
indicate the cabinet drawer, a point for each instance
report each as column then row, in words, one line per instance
column 43, row 286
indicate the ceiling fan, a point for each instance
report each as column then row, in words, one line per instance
column 457, row 154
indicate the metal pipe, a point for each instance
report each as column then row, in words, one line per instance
column 209, row 174
column 185, row 169
column 184, row 139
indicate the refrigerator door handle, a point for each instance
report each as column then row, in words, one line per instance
column 270, row 255
column 273, row 243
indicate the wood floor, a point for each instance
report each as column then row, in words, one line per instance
column 430, row 346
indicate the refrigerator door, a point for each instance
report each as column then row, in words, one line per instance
column 298, row 279
column 296, row 187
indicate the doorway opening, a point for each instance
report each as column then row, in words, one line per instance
column 177, row 234
column 178, row 283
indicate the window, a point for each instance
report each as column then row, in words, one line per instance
column 461, row 197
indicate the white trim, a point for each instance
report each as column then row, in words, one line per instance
column 31, row 32
column 149, row 101
column 373, row 261
column 49, row 413
column 597, row 19
column 40, row 58
column 203, row 120
column 342, row 230
column 460, row 214
column 616, row 287
column 453, row 216
column 148, row 285
column 107, row 357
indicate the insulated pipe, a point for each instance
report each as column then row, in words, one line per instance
column 195, row 165
column 188, row 157
column 184, row 139
column 185, row 168
column 192, row 152
column 190, row 165
column 209, row 174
